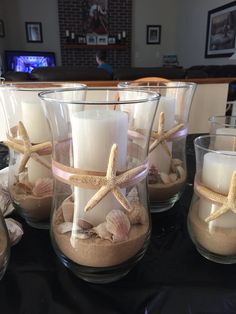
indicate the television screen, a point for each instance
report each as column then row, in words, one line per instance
column 26, row 61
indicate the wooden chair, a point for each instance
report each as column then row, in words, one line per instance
column 152, row 79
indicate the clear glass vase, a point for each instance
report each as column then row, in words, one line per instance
column 4, row 246
column 167, row 155
column 29, row 140
column 212, row 214
column 100, row 225
column 224, row 125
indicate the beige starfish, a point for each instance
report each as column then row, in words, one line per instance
column 161, row 136
column 229, row 204
column 26, row 148
column 109, row 183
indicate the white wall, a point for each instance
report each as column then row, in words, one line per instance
column 153, row 12
column 17, row 12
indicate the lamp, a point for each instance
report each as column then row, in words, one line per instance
column 233, row 57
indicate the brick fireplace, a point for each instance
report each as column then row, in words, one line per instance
column 119, row 20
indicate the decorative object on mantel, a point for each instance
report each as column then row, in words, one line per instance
column 212, row 214
column 100, row 223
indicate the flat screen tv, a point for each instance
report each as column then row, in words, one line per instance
column 26, row 61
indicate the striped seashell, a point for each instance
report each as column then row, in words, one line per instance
column 102, row 232
column 137, row 215
column 42, row 186
column 118, row 224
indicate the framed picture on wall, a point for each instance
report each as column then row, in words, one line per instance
column 221, row 31
column 34, row 32
column 102, row 40
column 153, row 34
column 91, row 39
column 2, row 30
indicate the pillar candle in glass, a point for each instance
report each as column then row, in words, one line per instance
column 100, row 224
column 29, row 140
column 223, row 125
column 167, row 173
column 211, row 218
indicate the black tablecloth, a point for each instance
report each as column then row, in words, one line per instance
column 172, row 278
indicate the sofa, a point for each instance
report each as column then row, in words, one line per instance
column 66, row 73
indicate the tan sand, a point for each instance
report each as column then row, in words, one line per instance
column 162, row 192
column 98, row 252
column 217, row 240
column 35, row 207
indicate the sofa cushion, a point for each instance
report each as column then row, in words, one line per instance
column 62, row 73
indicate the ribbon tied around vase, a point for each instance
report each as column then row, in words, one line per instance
column 228, row 202
column 104, row 182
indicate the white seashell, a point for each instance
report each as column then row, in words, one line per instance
column 84, row 224
column 164, row 178
column 137, row 215
column 180, row 172
column 102, row 232
column 133, row 195
column 65, row 227
column 117, row 223
column 83, row 235
column 173, row 177
column 15, row 230
column 23, row 176
column 42, row 186
column 175, row 162
column 67, row 210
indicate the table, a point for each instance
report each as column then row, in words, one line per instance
column 172, row 278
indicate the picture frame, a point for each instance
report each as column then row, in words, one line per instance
column 91, row 39
column 153, row 34
column 111, row 40
column 2, row 29
column 221, row 31
column 34, row 32
column 81, row 40
column 102, row 40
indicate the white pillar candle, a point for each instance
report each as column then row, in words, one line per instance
column 38, row 130
column 224, row 142
column 216, row 175
column 93, row 134
column 159, row 157
column 67, row 33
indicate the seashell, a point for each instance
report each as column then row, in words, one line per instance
column 23, row 188
column 23, row 176
column 133, row 195
column 42, row 186
column 175, row 162
column 180, row 172
column 137, row 215
column 15, row 230
column 67, row 210
column 83, row 234
column 65, row 227
column 117, row 223
column 84, row 224
column 173, row 177
column 102, row 232
column 164, row 178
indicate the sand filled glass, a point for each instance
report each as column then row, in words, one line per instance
column 100, row 225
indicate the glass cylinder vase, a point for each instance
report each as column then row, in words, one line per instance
column 167, row 154
column 4, row 246
column 28, row 138
column 100, row 224
column 212, row 214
